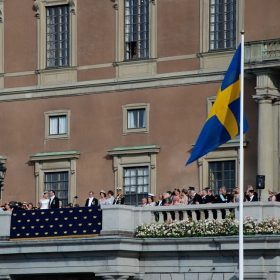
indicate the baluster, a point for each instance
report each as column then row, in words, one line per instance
column 168, row 216
column 202, row 215
column 153, row 217
column 219, row 214
column 210, row 214
column 177, row 218
column 185, row 215
column 227, row 212
column 161, row 217
column 194, row 215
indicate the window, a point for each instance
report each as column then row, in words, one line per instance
column 56, row 171
column 136, row 29
column 58, row 181
column 57, row 124
column 135, row 118
column 136, row 38
column 136, row 184
column 222, row 24
column 135, row 170
column 222, row 174
column 58, row 43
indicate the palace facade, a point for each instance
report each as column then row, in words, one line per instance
column 113, row 93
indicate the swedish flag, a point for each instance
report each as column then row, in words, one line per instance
column 223, row 122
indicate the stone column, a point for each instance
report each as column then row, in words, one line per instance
column 267, row 92
column 265, row 145
column 276, row 144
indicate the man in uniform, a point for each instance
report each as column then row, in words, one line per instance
column 120, row 197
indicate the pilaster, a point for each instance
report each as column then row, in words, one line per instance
column 276, row 144
column 267, row 93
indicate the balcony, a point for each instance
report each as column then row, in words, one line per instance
column 116, row 254
column 259, row 54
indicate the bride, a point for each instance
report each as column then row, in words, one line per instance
column 44, row 202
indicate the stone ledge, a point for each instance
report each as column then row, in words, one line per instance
column 116, row 233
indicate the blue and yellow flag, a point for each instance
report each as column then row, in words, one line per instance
column 223, row 122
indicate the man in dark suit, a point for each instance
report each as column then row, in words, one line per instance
column 91, row 201
column 196, row 198
column 54, row 201
column 160, row 200
column 252, row 197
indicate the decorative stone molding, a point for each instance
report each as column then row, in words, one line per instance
column 37, row 9
column 124, row 157
column 55, row 162
column 115, row 6
column 72, row 7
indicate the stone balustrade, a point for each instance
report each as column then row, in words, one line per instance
column 115, row 255
column 261, row 51
column 123, row 219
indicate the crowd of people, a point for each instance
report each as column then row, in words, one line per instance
column 50, row 201
column 176, row 197
column 205, row 196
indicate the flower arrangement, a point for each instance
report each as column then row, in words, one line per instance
column 225, row 227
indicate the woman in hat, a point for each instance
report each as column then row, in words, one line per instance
column 45, row 201
column 151, row 201
column 102, row 200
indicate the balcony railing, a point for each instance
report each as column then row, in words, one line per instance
column 262, row 51
column 117, row 219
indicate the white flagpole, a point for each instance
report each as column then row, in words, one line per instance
column 241, row 168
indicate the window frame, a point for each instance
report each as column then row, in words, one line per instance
column 216, row 190
column 136, row 24
column 57, row 59
column 137, row 194
column 205, row 28
column 65, row 200
column 57, row 113
column 223, row 30
column 135, row 67
column 131, row 107
column 59, row 74
column 52, row 163
column 135, row 156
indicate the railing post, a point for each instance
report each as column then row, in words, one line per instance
column 193, row 215
column 161, row 217
column 210, row 214
column 202, row 215
column 219, row 214
column 168, row 215
column 185, row 215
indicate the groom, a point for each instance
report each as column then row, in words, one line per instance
column 54, row 201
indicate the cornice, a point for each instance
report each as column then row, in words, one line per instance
column 111, row 85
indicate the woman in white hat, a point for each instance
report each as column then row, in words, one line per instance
column 102, row 200
column 151, row 201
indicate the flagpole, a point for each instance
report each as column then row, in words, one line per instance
column 241, row 165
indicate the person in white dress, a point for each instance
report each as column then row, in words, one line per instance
column 44, row 202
